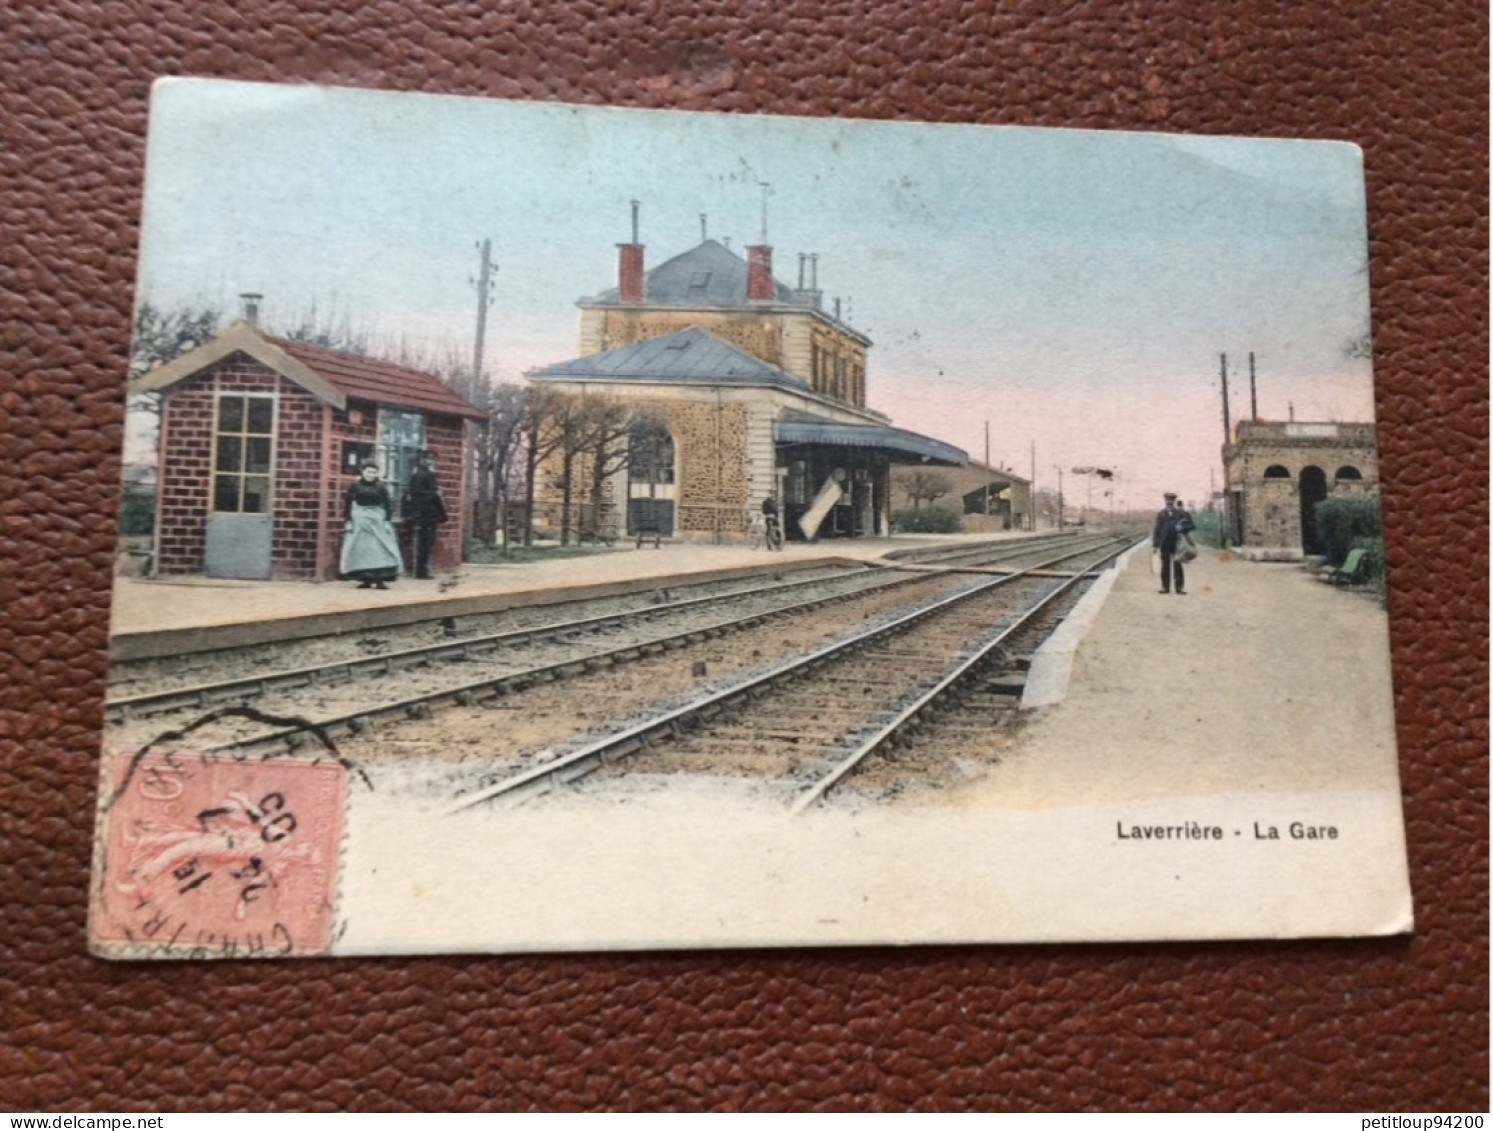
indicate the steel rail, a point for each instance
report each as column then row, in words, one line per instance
column 242, row 688
column 204, row 694
column 582, row 760
column 489, row 687
column 947, row 682
column 939, row 554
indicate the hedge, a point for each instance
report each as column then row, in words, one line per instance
column 934, row 520
column 1347, row 522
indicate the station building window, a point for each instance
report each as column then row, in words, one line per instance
column 651, row 453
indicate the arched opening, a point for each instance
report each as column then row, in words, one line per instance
column 1313, row 489
column 1276, row 471
column 651, row 477
column 1350, row 474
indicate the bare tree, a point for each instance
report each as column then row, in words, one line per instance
column 612, row 426
column 331, row 328
column 568, row 434
column 161, row 335
column 499, row 448
column 538, row 440
column 920, row 485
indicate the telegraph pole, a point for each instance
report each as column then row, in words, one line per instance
column 1254, row 408
column 987, row 468
column 1223, row 372
column 485, row 513
column 484, row 300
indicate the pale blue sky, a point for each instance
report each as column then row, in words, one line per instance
column 1074, row 288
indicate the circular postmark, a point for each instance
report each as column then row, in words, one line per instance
column 209, row 857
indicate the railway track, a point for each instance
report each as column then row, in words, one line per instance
column 831, row 709
column 507, row 660
column 146, row 687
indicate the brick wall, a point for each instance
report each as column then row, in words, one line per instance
column 445, row 437
column 187, row 416
column 309, row 492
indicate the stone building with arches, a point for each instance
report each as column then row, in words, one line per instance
column 744, row 388
column 1275, row 473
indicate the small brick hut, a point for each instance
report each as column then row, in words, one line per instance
column 261, row 437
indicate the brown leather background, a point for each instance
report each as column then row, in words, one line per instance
column 1394, row 1024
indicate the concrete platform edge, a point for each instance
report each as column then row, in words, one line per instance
column 1052, row 663
column 149, row 645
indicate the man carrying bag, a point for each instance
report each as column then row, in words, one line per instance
column 1171, row 537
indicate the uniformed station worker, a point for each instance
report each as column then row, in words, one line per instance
column 1170, row 536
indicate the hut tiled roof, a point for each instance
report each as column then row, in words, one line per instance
column 367, row 379
column 332, row 376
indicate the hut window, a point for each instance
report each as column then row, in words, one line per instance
column 243, row 454
column 401, row 439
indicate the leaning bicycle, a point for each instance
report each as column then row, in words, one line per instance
column 764, row 528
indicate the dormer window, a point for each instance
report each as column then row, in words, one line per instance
column 698, row 281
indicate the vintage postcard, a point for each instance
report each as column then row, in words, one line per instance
column 552, row 527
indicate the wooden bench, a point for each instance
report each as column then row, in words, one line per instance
column 1351, row 572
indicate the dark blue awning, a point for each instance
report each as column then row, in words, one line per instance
column 898, row 444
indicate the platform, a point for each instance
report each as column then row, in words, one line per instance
column 1260, row 678
column 192, row 604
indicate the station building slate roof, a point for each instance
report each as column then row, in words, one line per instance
column 706, row 275
column 688, row 357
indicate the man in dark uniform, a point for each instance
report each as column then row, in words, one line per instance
column 1172, row 523
column 425, row 510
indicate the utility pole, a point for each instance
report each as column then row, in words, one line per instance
column 1059, row 469
column 987, row 468
column 484, row 300
column 486, row 516
column 1254, row 408
column 1223, row 372
column 1031, row 491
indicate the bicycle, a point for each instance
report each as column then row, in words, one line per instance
column 764, row 529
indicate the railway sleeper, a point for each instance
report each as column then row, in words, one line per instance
column 1011, row 684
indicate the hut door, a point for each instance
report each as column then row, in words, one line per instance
column 241, row 525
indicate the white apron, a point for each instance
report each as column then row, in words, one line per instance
column 369, row 546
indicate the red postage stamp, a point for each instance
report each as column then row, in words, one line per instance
column 214, row 858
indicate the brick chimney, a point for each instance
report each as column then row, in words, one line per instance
column 760, row 287
column 632, row 282
column 251, row 302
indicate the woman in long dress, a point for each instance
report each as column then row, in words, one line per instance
column 370, row 549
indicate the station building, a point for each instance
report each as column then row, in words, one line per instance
column 261, row 437
column 988, row 499
column 759, row 392
column 1276, row 473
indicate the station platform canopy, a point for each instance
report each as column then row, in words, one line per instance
column 898, row 444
